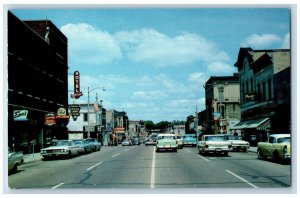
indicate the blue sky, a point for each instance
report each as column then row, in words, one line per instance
column 153, row 62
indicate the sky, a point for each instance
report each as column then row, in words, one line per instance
column 154, row 61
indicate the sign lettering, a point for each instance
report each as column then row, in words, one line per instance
column 77, row 92
column 20, row 115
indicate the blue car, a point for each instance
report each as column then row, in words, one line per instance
column 190, row 140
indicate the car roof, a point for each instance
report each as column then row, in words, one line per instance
column 166, row 134
column 280, row 135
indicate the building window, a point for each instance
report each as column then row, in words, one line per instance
column 264, row 96
column 258, row 91
column 269, row 90
column 251, row 85
column 85, row 117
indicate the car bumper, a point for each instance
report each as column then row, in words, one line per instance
column 166, row 146
column 240, row 146
column 190, row 143
column 217, row 149
column 54, row 154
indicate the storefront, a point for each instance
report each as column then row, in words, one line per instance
column 253, row 130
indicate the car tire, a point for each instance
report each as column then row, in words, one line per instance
column 259, row 154
column 226, row 153
column 69, row 155
column 276, row 156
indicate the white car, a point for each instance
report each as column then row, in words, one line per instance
column 165, row 142
column 214, row 144
column 238, row 143
column 61, row 148
column 179, row 140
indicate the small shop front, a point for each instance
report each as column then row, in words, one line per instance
column 253, row 130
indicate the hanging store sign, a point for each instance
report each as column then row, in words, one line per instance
column 20, row 115
column 50, row 120
column 77, row 92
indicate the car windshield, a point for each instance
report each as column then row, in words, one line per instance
column 234, row 137
column 284, row 139
column 166, row 137
column 214, row 138
column 78, row 142
column 177, row 137
column 61, row 143
column 189, row 136
column 91, row 140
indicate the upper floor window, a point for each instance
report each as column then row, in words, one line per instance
column 85, row 117
column 269, row 89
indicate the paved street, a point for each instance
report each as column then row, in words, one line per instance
column 140, row 167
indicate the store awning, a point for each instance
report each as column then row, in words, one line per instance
column 250, row 124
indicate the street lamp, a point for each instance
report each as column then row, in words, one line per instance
column 89, row 91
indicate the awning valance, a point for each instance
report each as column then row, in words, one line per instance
column 253, row 123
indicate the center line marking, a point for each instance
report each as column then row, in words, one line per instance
column 203, row 158
column 152, row 180
column 94, row 166
column 247, row 182
column 57, row 186
column 116, row 155
column 188, row 150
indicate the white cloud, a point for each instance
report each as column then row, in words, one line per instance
column 197, row 77
column 151, row 46
column 149, row 95
column 286, row 42
column 221, row 68
column 87, row 45
column 262, row 41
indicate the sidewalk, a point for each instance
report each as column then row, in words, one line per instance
column 31, row 157
column 252, row 149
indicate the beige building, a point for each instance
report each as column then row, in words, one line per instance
column 222, row 103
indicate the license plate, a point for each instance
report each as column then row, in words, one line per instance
column 167, row 146
column 218, row 149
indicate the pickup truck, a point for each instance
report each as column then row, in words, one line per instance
column 277, row 147
column 15, row 159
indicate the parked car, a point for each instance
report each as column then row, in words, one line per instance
column 179, row 141
column 96, row 145
column 136, row 141
column 278, row 147
column 85, row 146
column 166, row 142
column 238, row 144
column 126, row 143
column 214, row 144
column 15, row 159
column 189, row 140
column 61, row 148
column 150, row 142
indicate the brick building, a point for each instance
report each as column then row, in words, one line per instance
column 37, row 83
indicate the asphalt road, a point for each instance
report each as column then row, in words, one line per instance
column 140, row 167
